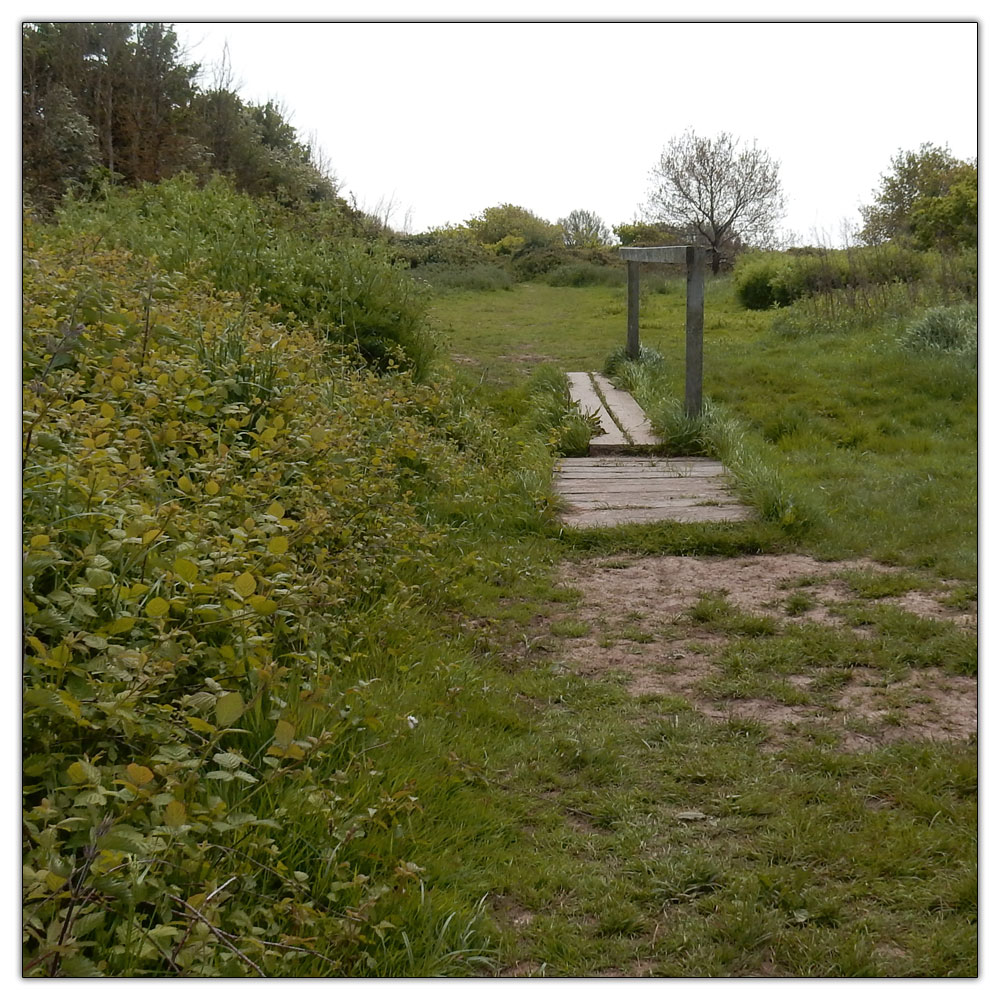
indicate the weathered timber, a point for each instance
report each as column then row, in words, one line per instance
column 624, row 490
column 654, row 255
column 694, row 258
column 694, row 330
column 628, row 414
column 583, row 393
column 632, row 334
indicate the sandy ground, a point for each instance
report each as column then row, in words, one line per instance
column 637, row 612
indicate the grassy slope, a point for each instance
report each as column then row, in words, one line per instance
column 499, row 776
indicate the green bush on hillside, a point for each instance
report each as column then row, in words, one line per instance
column 764, row 280
column 581, row 273
column 350, row 289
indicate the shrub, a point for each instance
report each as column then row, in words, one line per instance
column 478, row 277
column 351, row 290
column 764, row 280
column 582, row 273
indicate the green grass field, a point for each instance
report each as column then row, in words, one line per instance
column 637, row 836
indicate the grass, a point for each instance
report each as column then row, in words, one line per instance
column 652, row 840
column 869, row 450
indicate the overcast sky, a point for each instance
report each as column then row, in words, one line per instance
column 437, row 121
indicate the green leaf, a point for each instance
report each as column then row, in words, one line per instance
column 199, row 725
column 229, row 708
column 186, row 570
column 284, row 733
column 157, row 607
column 230, row 761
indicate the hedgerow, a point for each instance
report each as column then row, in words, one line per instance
column 220, row 514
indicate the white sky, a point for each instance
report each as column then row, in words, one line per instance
column 440, row 120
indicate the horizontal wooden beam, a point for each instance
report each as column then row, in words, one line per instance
column 655, row 255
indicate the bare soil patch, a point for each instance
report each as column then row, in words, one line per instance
column 635, row 612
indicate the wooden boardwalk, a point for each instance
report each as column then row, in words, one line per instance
column 618, row 484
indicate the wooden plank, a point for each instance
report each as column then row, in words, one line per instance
column 632, row 333
column 690, row 515
column 628, row 413
column 643, row 475
column 654, row 255
column 620, row 494
column 582, row 392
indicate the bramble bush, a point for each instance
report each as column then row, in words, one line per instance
column 228, row 522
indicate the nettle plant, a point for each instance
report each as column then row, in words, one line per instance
column 213, row 506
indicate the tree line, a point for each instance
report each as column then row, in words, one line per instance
column 113, row 102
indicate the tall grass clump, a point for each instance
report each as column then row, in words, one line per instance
column 944, row 329
column 580, row 273
column 476, row 277
column 713, row 433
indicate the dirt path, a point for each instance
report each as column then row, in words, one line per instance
column 744, row 638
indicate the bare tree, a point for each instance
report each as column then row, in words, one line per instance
column 582, row 228
column 727, row 194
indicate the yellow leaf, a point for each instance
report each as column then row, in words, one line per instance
column 83, row 772
column 148, row 536
column 120, row 625
column 175, row 814
column 77, row 773
column 186, row 570
column 107, row 410
column 229, row 708
column 199, row 725
column 185, row 484
column 138, row 774
column 278, row 546
column 276, row 510
column 245, row 584
column 284, row 733
column 37, row 645
column 157, row 607
column 117, row 383
column 39, row 541
column 102, row 439
column 262, row 605
column 211, row 487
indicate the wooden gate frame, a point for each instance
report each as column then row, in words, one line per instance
column 694, row 326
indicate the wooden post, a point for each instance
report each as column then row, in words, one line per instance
column 694, row 326
column 694, row 329
column 632, row 335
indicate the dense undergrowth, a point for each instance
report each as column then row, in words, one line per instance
column 238, row 539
